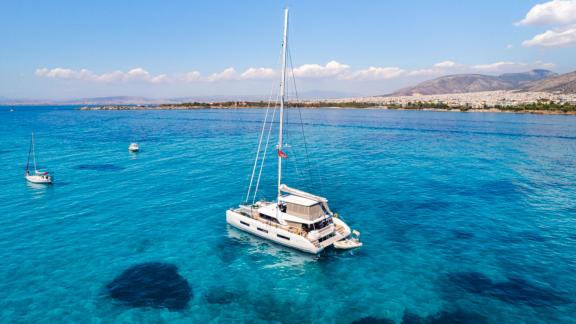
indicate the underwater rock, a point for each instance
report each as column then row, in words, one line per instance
column 445, row 317
column 462, row 235
column 221, row 296
column 153, row 284
column 513, row 291
column 228, row 250
column 372, row 320
column 99, row 167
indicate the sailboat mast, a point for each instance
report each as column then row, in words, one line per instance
column 34, row 153
column 282, row 97
column 29, row 152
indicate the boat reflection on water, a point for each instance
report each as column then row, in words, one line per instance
column 281, row 256
column 38, row 190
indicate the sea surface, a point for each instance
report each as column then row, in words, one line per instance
column 465, row 217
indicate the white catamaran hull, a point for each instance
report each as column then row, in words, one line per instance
column 282, row 236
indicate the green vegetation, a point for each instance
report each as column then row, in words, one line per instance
column 263, row 104
column 542, row 106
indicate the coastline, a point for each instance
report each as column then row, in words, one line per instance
column 373, row 107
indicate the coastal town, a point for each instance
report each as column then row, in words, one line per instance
column 485, row 101
column 474, row 100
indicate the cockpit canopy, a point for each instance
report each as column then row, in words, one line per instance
column 302, row 207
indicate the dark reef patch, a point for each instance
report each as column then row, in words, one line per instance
column 372, row 320
column 153, row 284
column 462, row 235
column 98, row 167
column 143, row 245
column 221, row 296
column 523, row 237
column 445, row 317
column 228, row 250
column 513, row 291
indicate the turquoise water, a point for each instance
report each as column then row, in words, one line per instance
column 465, row 217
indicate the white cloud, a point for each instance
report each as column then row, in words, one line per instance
column 258, row 73
column 226, row 75
column 553, row 38
column 505, row 66
column 556, row 12
column 494, row 67
column 425, row 72
column 136, row 74
column 561, row 13
column 374, row 73
column 331, row 68
column 192, row 76
column 446, row 64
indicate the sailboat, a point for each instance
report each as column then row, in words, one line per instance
column 297, row 219
column 38, row 176
column 134, row 147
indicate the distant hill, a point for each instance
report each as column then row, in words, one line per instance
column 135, row 100
column 564, row 83
column 462, row 83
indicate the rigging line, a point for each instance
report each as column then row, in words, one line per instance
column 264, row 154
column 259, row 144
column 29, row 151
column 272, row 89
column 34, row 153
column 302, row 123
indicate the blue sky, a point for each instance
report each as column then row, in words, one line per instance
column 69, row 49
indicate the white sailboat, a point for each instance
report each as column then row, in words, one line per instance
column 134, row 147
column 296, row 219
column 38, row 176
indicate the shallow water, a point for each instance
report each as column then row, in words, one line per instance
column 464, row 216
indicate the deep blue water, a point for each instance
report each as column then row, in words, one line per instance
column 464, row 216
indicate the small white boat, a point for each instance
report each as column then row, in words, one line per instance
column 134, row 147
column 41, row 177
column 349, row 243
column 38, row 176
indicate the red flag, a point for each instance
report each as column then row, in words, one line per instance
column 282, row 154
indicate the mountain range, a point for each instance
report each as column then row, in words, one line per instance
column 534, row 80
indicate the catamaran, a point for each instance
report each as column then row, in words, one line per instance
column 296, row 219
column 38, row 176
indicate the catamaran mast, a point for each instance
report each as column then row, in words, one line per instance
column 282, row 95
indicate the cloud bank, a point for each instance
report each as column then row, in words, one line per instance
column 561, row 14
column 332, row 70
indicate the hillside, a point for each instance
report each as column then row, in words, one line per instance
column 564, row 83
column 463, row 83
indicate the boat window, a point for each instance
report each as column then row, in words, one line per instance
column 244, row 223
column 262, row 230
column 321, row 224
column 322, row 239
column 283, row 237
column 268, row 218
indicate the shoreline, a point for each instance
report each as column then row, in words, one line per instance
column 197, row 107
